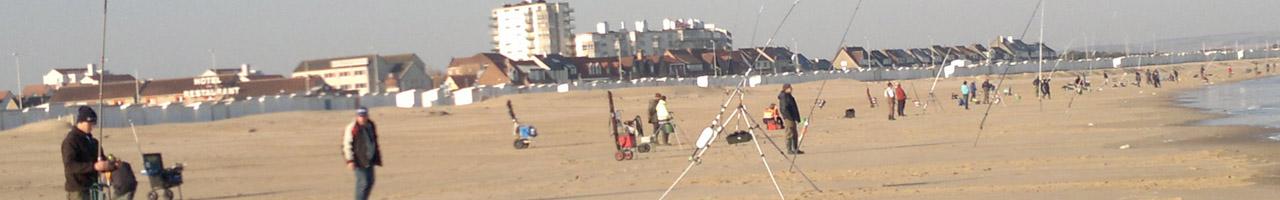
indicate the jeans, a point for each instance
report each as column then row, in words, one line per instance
column 902, row 106
column 364, row 182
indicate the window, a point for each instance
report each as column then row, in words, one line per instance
column 359, row 72
column 361, row 85
column 328, row 75
column 344, row 74
column 344, row 87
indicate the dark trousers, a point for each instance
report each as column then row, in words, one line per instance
column 364, row 182
column 78, row 195
column 902, row 106
column 793, row 137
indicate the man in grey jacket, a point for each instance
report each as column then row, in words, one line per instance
column 360, row 148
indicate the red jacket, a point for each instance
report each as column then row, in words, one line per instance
column 899, row 94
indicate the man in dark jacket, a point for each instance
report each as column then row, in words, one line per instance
column 790, row 117
column 360, row 148
column 81, row 160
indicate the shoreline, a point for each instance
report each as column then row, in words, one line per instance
column 1248, row 140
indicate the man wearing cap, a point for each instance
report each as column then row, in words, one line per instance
column 360, row 148
column 81, row 160
column 790, row 116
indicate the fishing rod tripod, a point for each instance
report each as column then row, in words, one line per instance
column 710, row 135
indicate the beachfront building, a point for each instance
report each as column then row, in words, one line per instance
column 90, row 75
column 8, row 101
column 186, row 90
column 532, row 27
column 1022, row 51
column 641, row 40
column 486, row 68
column 853, row 58
column 356, row 74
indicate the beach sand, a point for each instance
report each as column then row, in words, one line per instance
column 1030, row 149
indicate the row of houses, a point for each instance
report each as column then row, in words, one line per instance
column 496, row 69
column 361, row 74
column 1002, row 49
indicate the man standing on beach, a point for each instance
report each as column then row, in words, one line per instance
column 664, row 128
column 81, row 159
column 360, row 148
column 889, row 97
column 964, row 94
column 790, row 117
column 901, row 96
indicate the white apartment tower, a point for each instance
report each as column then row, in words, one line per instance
column 532, row 27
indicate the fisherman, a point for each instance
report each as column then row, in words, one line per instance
column 901, row 96
column 1137, row 78
column 1176, row 76
column 81, row 160
column 1036, row 84
column 973, row 90
column 771, row 118
column 361, row 150
column 964, row 94
column 1155, row 78
column 987, row 87
column 1044, row 86
column 1106, row 79
column 664, row 128
column 790, row 116
column 1230, row 71
column 653, row 110
column 889, row 97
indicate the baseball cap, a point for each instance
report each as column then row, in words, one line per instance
column 362, row 111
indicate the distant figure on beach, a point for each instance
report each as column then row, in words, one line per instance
column 973, row 90
column 362, row 152
column 1175, row 76
column 1106, row 79
column 1036, row 85
column 987, row 87
column 1155, row 78
column 889, row 96
column 662, row 119
column 790, row 117
column 964, row 94
column 1230, row 71
column 1044, row 86
column 900, row 96
column 1137, row 78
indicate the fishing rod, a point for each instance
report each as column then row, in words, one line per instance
column 982, row 124
column 822, row 87
column 102, row 80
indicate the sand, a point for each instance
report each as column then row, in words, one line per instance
column 1029, row 149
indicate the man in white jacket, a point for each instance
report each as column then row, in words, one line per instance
column 360, row 148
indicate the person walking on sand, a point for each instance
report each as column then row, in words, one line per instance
column 81, row 160
column 889, row 97
column 987, row 87
column 973, row 90
column 361, row 150
column 964, row 94
column 901, row 96
column 790, row 117
column 1044, row 86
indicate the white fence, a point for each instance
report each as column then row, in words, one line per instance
column 115, row 116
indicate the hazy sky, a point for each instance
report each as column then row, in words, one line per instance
column 167, row 39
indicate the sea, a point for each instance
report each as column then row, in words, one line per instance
column 1253, row 102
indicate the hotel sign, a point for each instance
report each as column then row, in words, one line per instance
column 349, row 62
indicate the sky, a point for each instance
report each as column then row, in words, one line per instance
column 170, row 39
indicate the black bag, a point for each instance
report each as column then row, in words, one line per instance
column 738, row 137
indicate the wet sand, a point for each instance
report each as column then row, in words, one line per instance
column 1030, row 149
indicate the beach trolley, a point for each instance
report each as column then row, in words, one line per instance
column 163, row 180
column 628, row 136
column 524, row 132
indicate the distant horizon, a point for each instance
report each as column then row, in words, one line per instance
column 163, row 40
